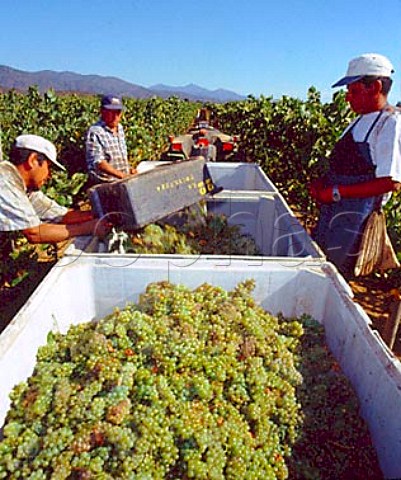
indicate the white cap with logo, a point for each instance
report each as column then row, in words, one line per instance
column 40, row 145
column 372, row 64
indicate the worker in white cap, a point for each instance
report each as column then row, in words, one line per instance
column 365, row 164
column 24, row 207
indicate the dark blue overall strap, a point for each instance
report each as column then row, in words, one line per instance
column 372, row 126
column 379, row 199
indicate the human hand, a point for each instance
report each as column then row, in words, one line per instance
column 133, row 171
column 101, row 227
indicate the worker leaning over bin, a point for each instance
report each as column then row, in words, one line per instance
column 24, row 207
column 106, row 149
column 365, row 164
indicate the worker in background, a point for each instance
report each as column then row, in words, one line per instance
column 203, row 145
column 106, row 149
column 24, row 207
column 203, row 115
column 365, row 164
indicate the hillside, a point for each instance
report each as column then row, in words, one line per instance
column 11, row 78
column 194, row 91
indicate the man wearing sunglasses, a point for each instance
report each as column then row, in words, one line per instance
column 365, row 164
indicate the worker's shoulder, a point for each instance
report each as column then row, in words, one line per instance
column 11, row 182
column 392, row 112
column 391, row 118
column 99, row 126
column 7, row 170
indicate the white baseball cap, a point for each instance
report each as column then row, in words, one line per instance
column 40, row 145
column 368, row 64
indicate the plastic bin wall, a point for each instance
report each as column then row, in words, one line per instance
column 240, row 176
column 230, row 175
column 83, row 288
column 266, row 218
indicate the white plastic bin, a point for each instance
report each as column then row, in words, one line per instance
column 263, row 216
column 248, row 199
column 80, row 289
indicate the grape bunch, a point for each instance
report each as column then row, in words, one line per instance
column 206, row 234
column 184, row 384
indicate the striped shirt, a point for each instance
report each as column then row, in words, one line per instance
column 18, row 208
column 103, row 144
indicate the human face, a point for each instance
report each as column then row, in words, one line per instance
column 111, row 117
column 361, row 98
column 40, row 173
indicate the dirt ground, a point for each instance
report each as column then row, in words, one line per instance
column 372, row 293
column 375, row 297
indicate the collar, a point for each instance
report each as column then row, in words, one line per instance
column 103, row 124
column 10, row 168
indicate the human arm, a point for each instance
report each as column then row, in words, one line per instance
column 105, row 167
column 55, row 232
column 42, row 220
column 77, row 216
column 72, row 224
column 385, row 150
column 372, row 188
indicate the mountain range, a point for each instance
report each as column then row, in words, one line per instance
column 11, row 78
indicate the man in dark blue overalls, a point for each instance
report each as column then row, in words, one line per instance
column 365, row 164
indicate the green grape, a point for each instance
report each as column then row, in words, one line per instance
column 184, row 384
column 206, row 234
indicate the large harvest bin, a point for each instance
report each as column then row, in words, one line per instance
column 80, row 289
column 141, row 199
column 263, row 216
column 250, row 200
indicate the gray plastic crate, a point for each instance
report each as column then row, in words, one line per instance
column 144, row 198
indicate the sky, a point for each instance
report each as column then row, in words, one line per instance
column 253, row 47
